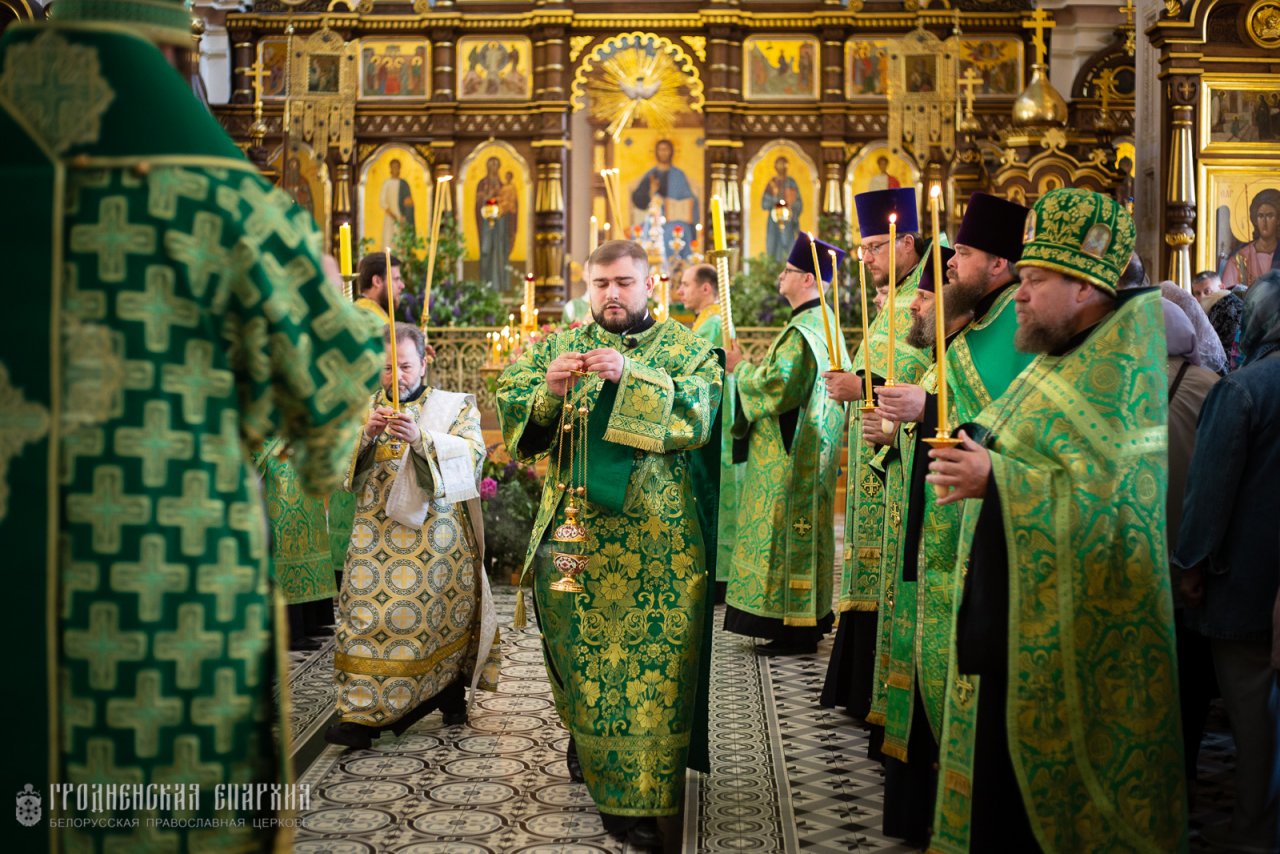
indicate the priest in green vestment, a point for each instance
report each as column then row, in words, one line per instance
column 784, row 558
column 416, row 621
column 699, row 292
column 981, row 362
column 628, row 655
column 1060, row 725
column 849, row 680
column 174, row 314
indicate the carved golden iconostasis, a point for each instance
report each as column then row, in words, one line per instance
column 809, row 105
column 1220, row 70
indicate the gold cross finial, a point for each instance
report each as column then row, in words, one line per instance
column 1128, row 11
column 1040, row 21
column 969, row 82
column 255, row 73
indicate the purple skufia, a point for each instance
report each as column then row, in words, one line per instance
column 874, row 207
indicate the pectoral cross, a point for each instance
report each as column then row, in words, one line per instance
column 1040, row 21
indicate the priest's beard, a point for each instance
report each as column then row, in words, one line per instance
column 963, row 297
column 618, row 326
column 921, row 334
column 1043, row 336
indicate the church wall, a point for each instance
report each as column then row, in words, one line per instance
column 804, row 95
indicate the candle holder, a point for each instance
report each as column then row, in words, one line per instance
column 942, row 440
column 349, row 286
column 781, row 213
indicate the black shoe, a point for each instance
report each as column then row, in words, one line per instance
column 358, row 736
column 453, row 704
column 780, row 648
column 575, row 767
column 645, row 835
column 617, row 826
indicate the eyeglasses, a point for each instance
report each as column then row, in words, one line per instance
column 789, row 269
column 875, row 248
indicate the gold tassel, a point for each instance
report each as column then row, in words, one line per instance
column 518, row 620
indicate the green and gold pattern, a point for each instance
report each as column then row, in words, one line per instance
column 156, row 629
column 624, row 656
column 865, row 499
column 916, row 643
column 784, row 557
column 300, row 560
column 1079, row 462
column 409, row 610
column 710, row 325
column 1081, row 234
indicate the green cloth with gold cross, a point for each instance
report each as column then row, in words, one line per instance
column 174, row 314
column 784, row 555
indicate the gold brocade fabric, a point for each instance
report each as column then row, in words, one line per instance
column 915, row 635
column 784, row 556
column 710, row 325
column 408, row 609
column 1079, row 461
column 623, row 655
column 865, row 506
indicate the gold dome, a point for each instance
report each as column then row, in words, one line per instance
column 1039, row 105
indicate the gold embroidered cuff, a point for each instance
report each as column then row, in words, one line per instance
column 544, row 408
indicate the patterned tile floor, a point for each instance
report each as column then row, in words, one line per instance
column 499, row 784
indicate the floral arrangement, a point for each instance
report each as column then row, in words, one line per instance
column 509, row 496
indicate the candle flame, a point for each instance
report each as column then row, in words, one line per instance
column 859, row 254
column 935, row 191
column 893, row 218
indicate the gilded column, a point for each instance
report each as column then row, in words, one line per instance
column 1180, row 191
column 551, row 56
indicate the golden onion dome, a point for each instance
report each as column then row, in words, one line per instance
column 1039, row 105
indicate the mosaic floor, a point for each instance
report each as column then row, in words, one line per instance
column 499, row 784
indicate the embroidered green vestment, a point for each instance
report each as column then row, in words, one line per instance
column 301, row 565
column 784, row 557
column 175, row 313
column 710, row 325
column 625, row 656
column 916, row 631
column 1078, row 458
column 865, row 506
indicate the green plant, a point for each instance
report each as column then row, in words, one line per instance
column 756, row 301
column 509, row 495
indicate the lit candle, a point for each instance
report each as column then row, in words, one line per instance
column 939, row 312
column 866, row 336
column 344, row 249
column 833, row 356
column 893, row 288
column 717, row 223
column 391, row 313
column 835, row 304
